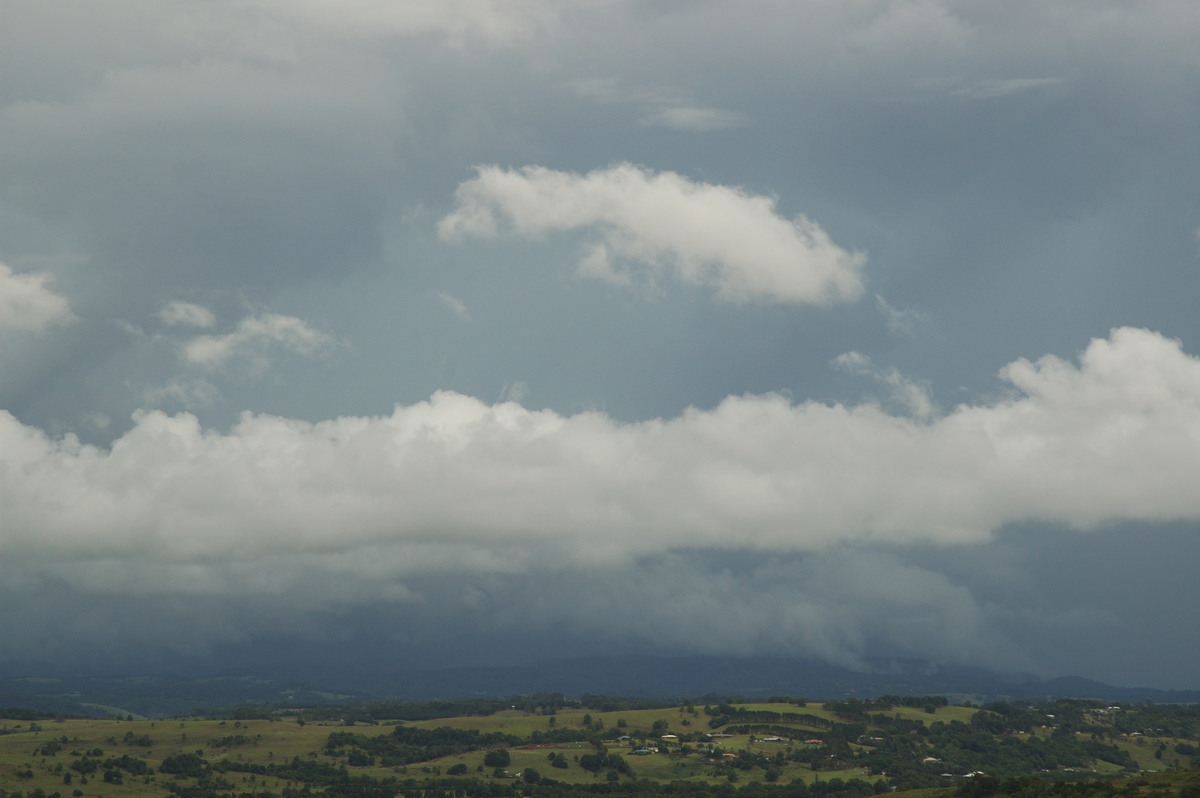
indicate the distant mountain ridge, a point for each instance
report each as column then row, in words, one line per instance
column 755, row 677
column 52, row 689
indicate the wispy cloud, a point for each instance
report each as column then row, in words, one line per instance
column 186, row 314
column 1003, row 87
column 661, row 106
column 694, row 119
column 901, row 321
column 515, row 391
column 187, row 392
column 454, row 305
column 911, row 395
column 253, row 338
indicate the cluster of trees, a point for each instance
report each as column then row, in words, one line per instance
column 534, row 704
column 376, row 711
column 615, row 764
column 603, row 703
column 1009, row 741
column 24, row 713
column 406, row 745
column 988, row 787
column 962, row 748
column 338, row 783
column 189, row 765
column 912, row 754
column 1170, row 720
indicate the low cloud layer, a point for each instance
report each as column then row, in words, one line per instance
column 456, row 485
column 655, row 226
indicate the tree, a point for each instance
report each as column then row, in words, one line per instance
column 358, row 758
column 185, row 765
column 593, row 762
column 499, row 758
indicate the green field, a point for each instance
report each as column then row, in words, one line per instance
column 709, row 747
column 25, row 766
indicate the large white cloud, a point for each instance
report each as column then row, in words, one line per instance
column 453, row 483
column 780, row 527
column 652, row 225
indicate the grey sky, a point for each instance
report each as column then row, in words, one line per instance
column 836, row 329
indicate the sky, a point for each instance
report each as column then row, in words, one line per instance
column 493, row 331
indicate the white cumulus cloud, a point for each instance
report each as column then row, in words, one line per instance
column 454, row 483
column 653, row 225
column 27, row 304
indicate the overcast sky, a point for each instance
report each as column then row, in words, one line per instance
column 471, row 331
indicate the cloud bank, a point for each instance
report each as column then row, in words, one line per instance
column 453, row 483
column 777, row 526
column 655, row 225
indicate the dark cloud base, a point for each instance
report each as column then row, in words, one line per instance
column 1037, row 601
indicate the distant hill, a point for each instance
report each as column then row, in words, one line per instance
column 52, row 689
column 757, row 677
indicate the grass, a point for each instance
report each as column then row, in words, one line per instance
column 270, row 741
column 945, row 714
column 1142, row 750
column 279, row 741
column 25, row 767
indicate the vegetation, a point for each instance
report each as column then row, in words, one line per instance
column 551, row 747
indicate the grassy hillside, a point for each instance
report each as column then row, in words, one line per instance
column 792, row 750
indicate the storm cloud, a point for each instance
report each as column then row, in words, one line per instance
column 835, row 329
column 354, row 507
